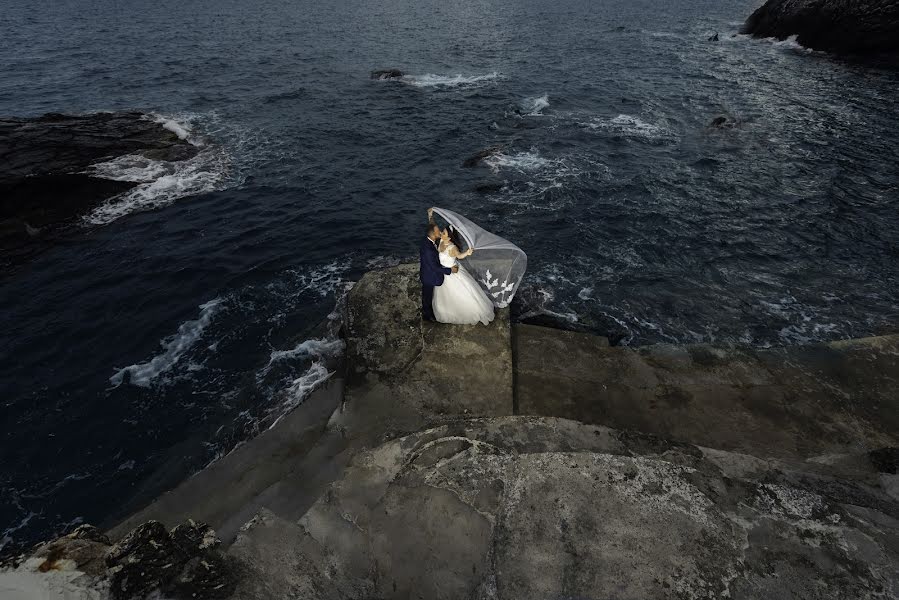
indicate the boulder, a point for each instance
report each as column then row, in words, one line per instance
column 840, row 26
column 383, row 321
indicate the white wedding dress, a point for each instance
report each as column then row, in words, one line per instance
column 460, row 300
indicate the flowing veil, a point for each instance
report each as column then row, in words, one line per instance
column 497, row 264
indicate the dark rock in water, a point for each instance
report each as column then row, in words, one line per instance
column 43, row 161
column 714, row 38
column 840, row 26
column 475, row 160
column 383, row 74
column 719, row 122
column 885, row 460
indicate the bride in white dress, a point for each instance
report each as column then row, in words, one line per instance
column 460, row 300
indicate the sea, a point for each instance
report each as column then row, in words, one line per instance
column 182, row 318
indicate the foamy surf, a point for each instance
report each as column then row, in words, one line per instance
column 533, row 107
column 520, row 161
column 431, row 80
column 160, row 183
column 629, row 126
column 173, row 349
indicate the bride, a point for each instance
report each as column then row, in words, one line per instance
column 460, row 300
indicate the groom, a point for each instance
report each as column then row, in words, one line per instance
column 431, row 271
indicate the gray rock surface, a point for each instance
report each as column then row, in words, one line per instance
column 521, row 508
column 148, row 562
column 783, row 402
column 842, row 26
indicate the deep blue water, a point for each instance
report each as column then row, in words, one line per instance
column 636, row 216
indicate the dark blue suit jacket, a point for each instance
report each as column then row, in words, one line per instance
column 432, row 272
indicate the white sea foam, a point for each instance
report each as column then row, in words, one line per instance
column 520, row 161
column 160, row 183
column 533, row 107
column 173, row 348
column 318, row 348
column 629, row 126
column 299, row 389
column 179, row 129
column 431, row 80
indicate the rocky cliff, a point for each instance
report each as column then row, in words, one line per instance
column 840, row 26
column 439, row 467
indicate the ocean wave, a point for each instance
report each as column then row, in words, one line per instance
column 298, row 390
column 431, row 80
column 629, row 126
column 520, row 161
column 533, row 107
column 160, row 183
column 173, row 349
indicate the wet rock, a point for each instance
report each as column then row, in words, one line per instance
column 384, row 74
column 719, row 123
column 714, row 38
column 840, row 26
column 193, row 538
column 475, row 159
column 143, row 561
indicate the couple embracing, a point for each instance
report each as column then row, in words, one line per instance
column 449, row 294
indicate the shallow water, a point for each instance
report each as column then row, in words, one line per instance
column 177, row 320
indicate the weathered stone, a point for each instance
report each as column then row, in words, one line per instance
column 142, row 562
column 843, row 26
column 544, row 508
column 383, row 321
column 209, row 576
column 833, row 398
column 193, row 538
column 86, row 547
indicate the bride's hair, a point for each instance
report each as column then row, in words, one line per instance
column 455, row 238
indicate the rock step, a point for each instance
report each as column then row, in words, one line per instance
column 796, row 402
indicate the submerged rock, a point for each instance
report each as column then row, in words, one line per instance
column 383, row 74
column 841, row 26
column 44, row 183
column 475, row 159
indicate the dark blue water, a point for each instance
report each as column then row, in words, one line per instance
column 188, row 316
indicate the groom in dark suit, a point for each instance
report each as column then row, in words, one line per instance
column 431, row 271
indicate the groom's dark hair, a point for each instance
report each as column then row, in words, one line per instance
column 431, row 227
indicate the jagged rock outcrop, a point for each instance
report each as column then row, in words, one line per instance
column 182, row 564
column 522, row 507
column 43, row 163
column 840, row 26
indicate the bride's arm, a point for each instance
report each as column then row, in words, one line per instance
column 454, row 252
